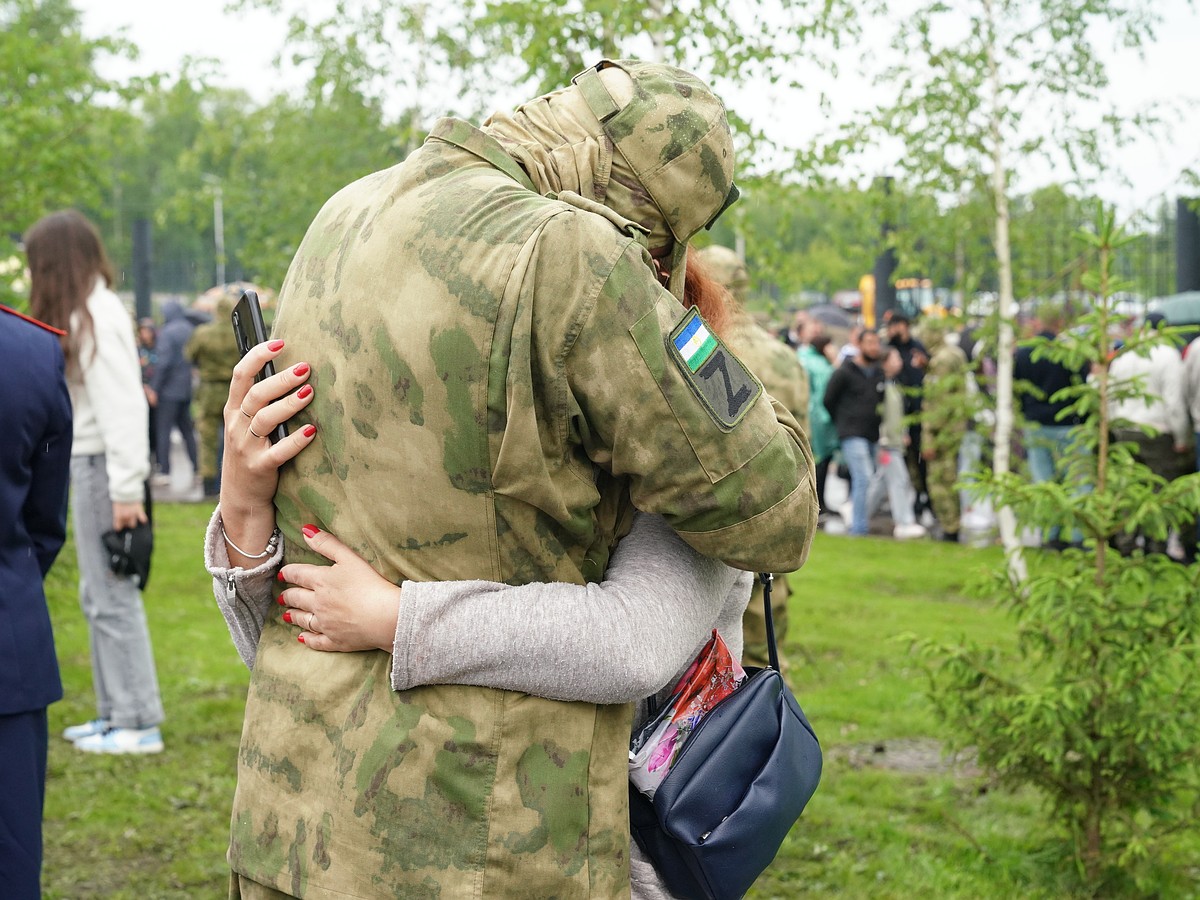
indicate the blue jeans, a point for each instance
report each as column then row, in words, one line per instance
column 859, row 454
column 1048, row 449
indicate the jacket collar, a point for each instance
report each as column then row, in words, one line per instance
column 468, row 137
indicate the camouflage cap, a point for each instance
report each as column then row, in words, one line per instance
column 675, row 136
column 673, row 133
column 727, row 268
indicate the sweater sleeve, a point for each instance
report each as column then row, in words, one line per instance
column 243, row 595
column 613, row 642
column 113, row 382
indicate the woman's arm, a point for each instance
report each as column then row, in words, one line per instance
column 613, row 642
column 242, row 595
column 250, row 468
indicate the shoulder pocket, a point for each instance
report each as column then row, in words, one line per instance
column 710, row 391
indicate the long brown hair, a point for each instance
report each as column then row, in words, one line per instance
column 708, row 295
column 65, row 256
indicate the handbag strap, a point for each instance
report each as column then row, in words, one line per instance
column 767, row 580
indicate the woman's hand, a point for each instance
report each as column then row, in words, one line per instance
column 250, row 469
column 127, row 515
column 344, row 607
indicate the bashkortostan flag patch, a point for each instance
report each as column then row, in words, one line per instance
column 722, row 383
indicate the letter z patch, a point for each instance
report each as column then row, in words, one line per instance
column 723, row 384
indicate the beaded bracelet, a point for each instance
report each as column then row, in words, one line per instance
column 271, row 545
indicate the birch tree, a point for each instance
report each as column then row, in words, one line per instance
column 986, row 89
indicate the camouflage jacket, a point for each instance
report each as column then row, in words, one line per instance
column 946, row 407
column 213, row 349
column 497, row 375
column 775, row 365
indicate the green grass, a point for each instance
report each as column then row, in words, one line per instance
column 156, row 827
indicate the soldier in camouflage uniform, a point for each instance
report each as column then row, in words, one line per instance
column 213, row 350
column 784, row 379
column 499, row 375
column 945, row 418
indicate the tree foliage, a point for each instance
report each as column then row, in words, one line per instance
column 1098, row 709
column 51, row 153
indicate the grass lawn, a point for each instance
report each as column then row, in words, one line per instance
column 889, row 821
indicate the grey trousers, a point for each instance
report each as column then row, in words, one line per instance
column 123, row 673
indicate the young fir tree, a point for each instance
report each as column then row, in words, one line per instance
column 1099, row 708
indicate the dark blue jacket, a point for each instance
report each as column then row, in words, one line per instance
column 1049, row 378
column 35, row 458
column 172, row 379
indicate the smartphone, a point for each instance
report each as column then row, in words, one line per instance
column 249, row 329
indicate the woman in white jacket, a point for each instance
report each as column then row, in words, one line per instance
column 70, row 288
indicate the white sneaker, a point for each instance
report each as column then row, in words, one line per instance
column 122, row 740
column 908, row 532
column 160, row 480
column 87, row 729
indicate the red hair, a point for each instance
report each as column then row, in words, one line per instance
column 705, row 293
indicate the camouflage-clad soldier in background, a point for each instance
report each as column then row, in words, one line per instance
column 213, row 350
column 785, row 379
column 945, row 418
column 499, row 375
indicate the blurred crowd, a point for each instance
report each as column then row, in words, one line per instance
column 899, row 414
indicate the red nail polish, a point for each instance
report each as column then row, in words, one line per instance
column 310, row 531
column 287, row 617
column 300, row 369
column 280, row 577
column 280, row 600
column 310, row 430
column 300, row 638
column 305, row 392
column 275, row 345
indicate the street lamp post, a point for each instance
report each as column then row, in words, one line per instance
column 218, row 224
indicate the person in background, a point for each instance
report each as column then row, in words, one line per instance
column 891, row 473
column 147, row 338
column 786, row 380
column 71, row 288
column 1048, row 445
column 1191, row 398
column 944, row 423
column 35, row 459
column 914, row 356
column 213, row 350
column 849, row 350
column 172, row 385
column 852, row 398
column 814, row 356
column 1151, row 416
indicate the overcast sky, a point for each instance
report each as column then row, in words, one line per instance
column 167, row 32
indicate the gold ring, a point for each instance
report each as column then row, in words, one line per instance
column 250, row 428
column 244, row 413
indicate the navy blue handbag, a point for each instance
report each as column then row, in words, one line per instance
column 739, row 784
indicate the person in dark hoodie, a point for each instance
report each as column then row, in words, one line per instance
column 172, row 387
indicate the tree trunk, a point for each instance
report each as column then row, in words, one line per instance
column 1007, row 309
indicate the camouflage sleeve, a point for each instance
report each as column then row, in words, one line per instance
column 656, row 398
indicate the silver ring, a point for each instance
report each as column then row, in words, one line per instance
column 244, row 413
column 250, row 428
column 312, row 617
